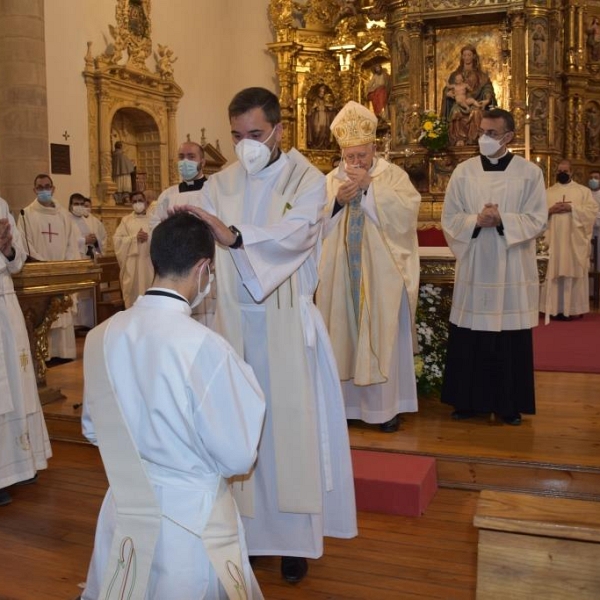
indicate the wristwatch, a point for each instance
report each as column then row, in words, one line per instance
column 238, row 237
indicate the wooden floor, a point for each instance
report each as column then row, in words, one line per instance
column 47, row 532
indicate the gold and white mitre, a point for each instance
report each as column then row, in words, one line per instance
column 354, row 125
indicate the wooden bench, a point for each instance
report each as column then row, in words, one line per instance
column 109, row 298
column 537, row 547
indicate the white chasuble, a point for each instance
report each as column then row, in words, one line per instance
column 136, row 272
column 301, row 487
column 566, row 288
column 24, row 443
column 374, row 351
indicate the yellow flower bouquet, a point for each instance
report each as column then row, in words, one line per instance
column 434, row 131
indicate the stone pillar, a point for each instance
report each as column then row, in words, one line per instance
column 24, row 150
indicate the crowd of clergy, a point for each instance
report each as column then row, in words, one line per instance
column 312, row 325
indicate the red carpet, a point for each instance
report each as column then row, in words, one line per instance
column 570, row 346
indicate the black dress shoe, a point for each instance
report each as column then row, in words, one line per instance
column 5, row 498
column 512, row 419
column 460, row 415
column 293, row 568
column 391, row 425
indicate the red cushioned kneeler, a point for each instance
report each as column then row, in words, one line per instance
column 400, row 484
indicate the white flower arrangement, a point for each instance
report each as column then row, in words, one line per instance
column 433, row 310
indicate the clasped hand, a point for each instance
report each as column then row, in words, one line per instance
column 358, row 179
column 560, row 207
column 489, row 216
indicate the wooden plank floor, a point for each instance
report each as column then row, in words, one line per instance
column 47, row 536
column 47, row 532
column 555, row 452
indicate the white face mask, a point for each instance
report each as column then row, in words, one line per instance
column 202, row 293
column 254, row 155
column 78, row 210
column 188, row 169
column 139, row 207
column 86, row 211
column 488, row 146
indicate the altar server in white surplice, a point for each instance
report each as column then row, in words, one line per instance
column 494, row 209
column 190, row 164
column 175, row 412
column 132, row 248
column 50, row 235
column 24, row 444
column 265, row 211
column 369, row 274
column 572, row 213
column 91, row 240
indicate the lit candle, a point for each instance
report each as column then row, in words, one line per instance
column 527, row 138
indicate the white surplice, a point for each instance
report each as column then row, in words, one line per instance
column 302, row 486
column 24, row 444
column 136, row 271
column 496, row 285
column 168, row 199
column 374, row 357
column 50, row 235
column 566, row 288
column 195, row 412
column 84, row 315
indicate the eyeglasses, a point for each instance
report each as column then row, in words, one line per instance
column 41, row 188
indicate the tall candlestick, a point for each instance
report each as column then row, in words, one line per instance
column 527, row 138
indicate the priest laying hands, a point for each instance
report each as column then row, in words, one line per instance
column 175, row 412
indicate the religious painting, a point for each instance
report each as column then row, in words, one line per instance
column 593, row 39
column 538, row 42
column 401, row 54
column 470, row 77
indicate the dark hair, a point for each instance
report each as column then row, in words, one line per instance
column 42, row 176
column 178, row 243
column 256, row 97
column 594, row 171
column 76, row 196
column 500, row 113
column 132, row 195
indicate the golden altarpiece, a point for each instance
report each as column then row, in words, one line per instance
column 541, row 56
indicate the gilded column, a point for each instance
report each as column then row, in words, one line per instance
column 415, row 37
column 519, row 72
column 106, row 184
column 172, row 143
column 23, row 105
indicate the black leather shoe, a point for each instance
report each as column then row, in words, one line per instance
column 460, row 415
column 5, row 498
column 391, row 425
column 293, row 568
column 512, row 419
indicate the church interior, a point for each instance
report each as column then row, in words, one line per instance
column 80, row 76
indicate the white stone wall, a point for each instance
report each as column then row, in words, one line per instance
column 220, row 45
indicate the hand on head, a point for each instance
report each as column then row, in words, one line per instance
column 222, row 234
